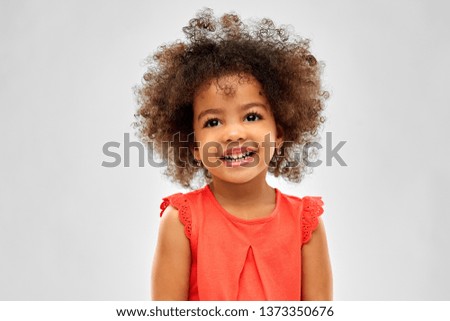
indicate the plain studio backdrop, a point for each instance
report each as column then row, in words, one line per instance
column 72, row 229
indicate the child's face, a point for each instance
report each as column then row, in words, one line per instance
column 230, row 121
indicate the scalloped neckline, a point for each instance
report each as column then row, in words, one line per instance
column 234, row 218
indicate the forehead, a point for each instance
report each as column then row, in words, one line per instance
column 229, row 88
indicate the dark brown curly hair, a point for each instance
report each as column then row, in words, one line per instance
column 215, row 47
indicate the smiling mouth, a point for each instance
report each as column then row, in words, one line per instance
column 237, row 157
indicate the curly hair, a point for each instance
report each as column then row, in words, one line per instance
column 289, row 74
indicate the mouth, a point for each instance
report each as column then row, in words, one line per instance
column 238, row 155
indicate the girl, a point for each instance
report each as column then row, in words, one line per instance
column 225, row 107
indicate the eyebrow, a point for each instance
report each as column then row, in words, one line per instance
column 217, row 111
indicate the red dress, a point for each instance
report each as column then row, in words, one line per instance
column 238, row 259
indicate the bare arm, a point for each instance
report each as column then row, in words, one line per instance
column 172, row 260
column 317, row 280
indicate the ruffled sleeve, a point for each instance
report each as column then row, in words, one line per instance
column 180, row 202
column 312, row 209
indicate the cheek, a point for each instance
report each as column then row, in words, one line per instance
column 209, row 148
column 267, row 135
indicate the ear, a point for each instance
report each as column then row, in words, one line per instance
column 280, row 136
column 195, row 151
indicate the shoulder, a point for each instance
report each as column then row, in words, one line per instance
column 170, row 226
column 308, row 204
column 307, row 209
column 170, row 215
column 177, row 198
column 290, row 202
column 177, row 208
column 312, row 209
column 181, row 200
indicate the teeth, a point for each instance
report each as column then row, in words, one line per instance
column 237, row 156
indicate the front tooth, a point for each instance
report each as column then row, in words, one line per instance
column 237, row 156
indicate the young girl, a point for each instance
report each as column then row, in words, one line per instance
column 225, row 107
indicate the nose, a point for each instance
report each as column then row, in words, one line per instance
column 234, row 132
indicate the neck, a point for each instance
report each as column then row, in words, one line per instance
column 248, row 193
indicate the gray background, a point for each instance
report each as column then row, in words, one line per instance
column 71, row 229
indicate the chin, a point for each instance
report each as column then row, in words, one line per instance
column 238, row 178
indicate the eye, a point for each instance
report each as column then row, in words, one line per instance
column 212, row 122
column 253, row 116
